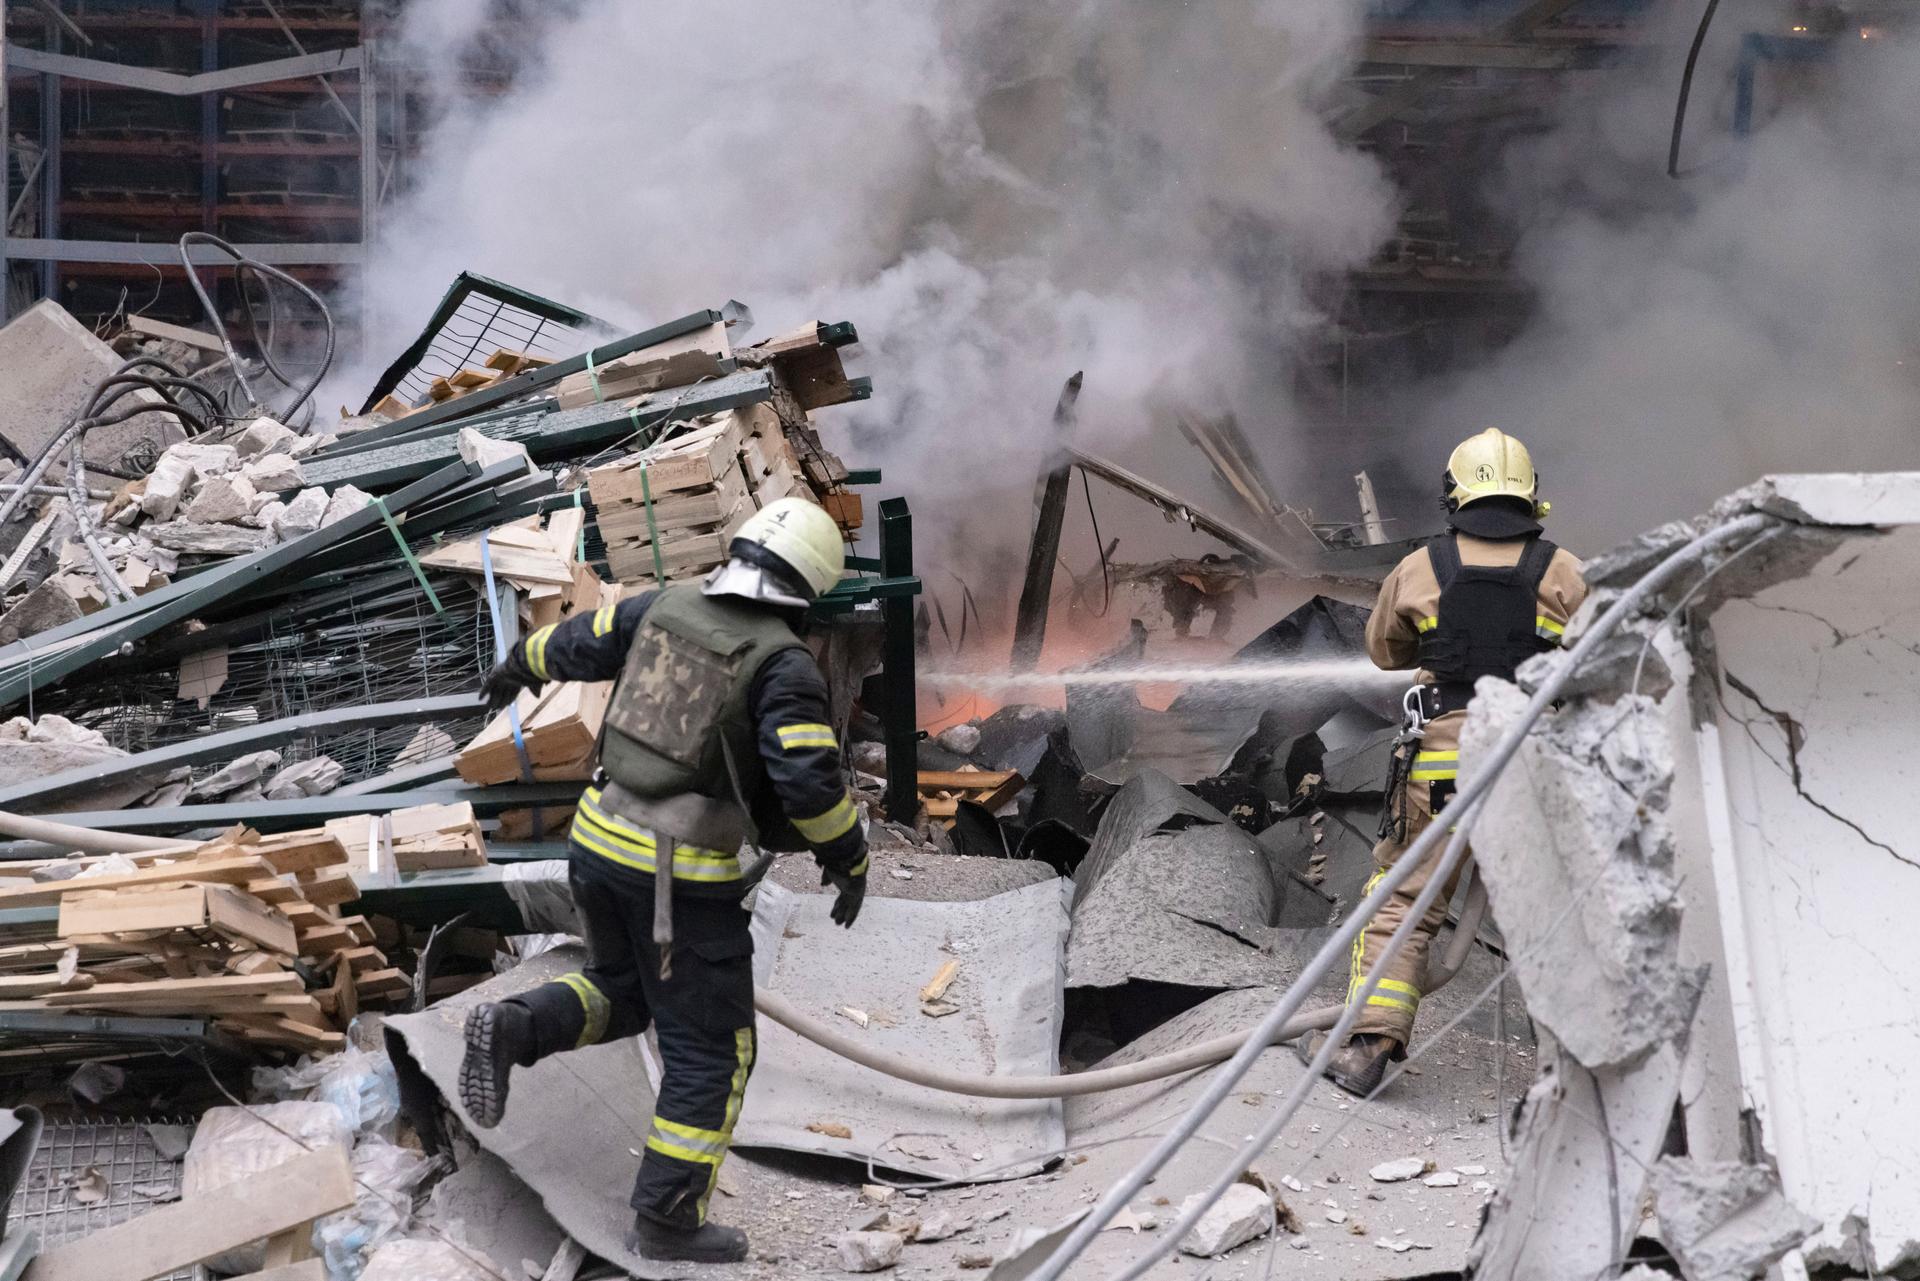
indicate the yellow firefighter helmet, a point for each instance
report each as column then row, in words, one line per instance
column 1491, row 465
column 802, row 536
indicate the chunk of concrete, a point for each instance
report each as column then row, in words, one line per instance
column 486, row 451
column 250, row 768
column 1242, row 1213
column 1725, row 1220
column 868, row 1251
column 274, row 474
column 1607, row 979
column 345, row 501
column 312, row 444
column 1398, row 1171
column 208, row 540
column 54, row 728
column 207, row 459
column 166, row 486
column 266, row 514
column 411, row 1259
column 961, row 740
column 313, row 777
column 302, row 515
column 222, row 500
column 264, row 436
column 44, row 608
column 52, row 363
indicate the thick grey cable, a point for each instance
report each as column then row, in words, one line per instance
column 242, row 265
column 1250, row 1151
column 82, row 510
column 1124, row 1189
column 91, row 840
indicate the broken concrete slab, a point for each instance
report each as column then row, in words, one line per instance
column 208, row 540
column 250, row 768
column 265, row 436
column 1008, row 949
column 1606, row 979
column 1242, row 1213
column 486, row 451
column 1725, row 1220
column 53, row 363
column 274, row 474
column 344, row 502
column 44, row 608
column 167, row 486
column 313, row 777
column 221, row 500
column 486, row 1206
column 868, row 1251
column 301, row 516
column 205, row 458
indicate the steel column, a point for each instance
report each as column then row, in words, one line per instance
column 900, row 715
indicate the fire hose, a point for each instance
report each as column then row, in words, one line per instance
column 784, row 1012
column 1099, row 1080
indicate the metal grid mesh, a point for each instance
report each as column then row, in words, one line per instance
column 478, row 326
column 138, row 1179
column 383, row 644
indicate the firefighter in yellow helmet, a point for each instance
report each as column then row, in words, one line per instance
column 1477, row 601
column 718, row 729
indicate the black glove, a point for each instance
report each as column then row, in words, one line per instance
column 852, row 889
column 504, row 681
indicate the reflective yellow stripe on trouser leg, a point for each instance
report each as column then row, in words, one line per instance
column 701, row 1146
column 1391, row 993
column 594, row 1003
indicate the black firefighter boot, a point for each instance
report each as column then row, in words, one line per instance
column 499, row 1035
column 708, row 1243
column 1356, row 1067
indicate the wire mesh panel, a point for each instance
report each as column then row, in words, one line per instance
column 380, row 643
column 89, row 1175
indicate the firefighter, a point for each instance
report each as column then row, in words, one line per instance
column 1476, row 601
column 717, row 731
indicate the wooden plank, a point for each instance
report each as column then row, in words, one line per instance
column 169, row 1238
column 89, row 912
column 520, row 564
column 233, row 912
column 19, row 987
column 689, row 509
column 329, row 887
column 187, row 989
column 302, row 851
column 382, row 983
column 948, row 780
column 227, row 871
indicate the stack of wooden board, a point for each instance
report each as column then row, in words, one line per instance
column 423, row 838
column 212, row 930
column 690, row 494
column 504, row 363
column 941, row 791
column 704, row 353
column 559, row 726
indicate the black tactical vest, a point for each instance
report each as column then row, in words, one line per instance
column 1488, row 618
column 684, row 691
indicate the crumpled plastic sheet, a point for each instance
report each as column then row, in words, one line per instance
column 541, row 892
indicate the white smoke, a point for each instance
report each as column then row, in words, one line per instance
column 996, row 193
column 1760, row 314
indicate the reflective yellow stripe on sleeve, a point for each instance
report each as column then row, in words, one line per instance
column 794, row 737
column 836, row 822
column 1426, row 624
column 1546, row 629
column 1435, row 767
column 537, row 651
column 603, row 621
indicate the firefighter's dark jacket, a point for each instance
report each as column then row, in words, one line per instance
column 804, row 802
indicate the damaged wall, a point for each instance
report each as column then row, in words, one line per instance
column 1770, row 1001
